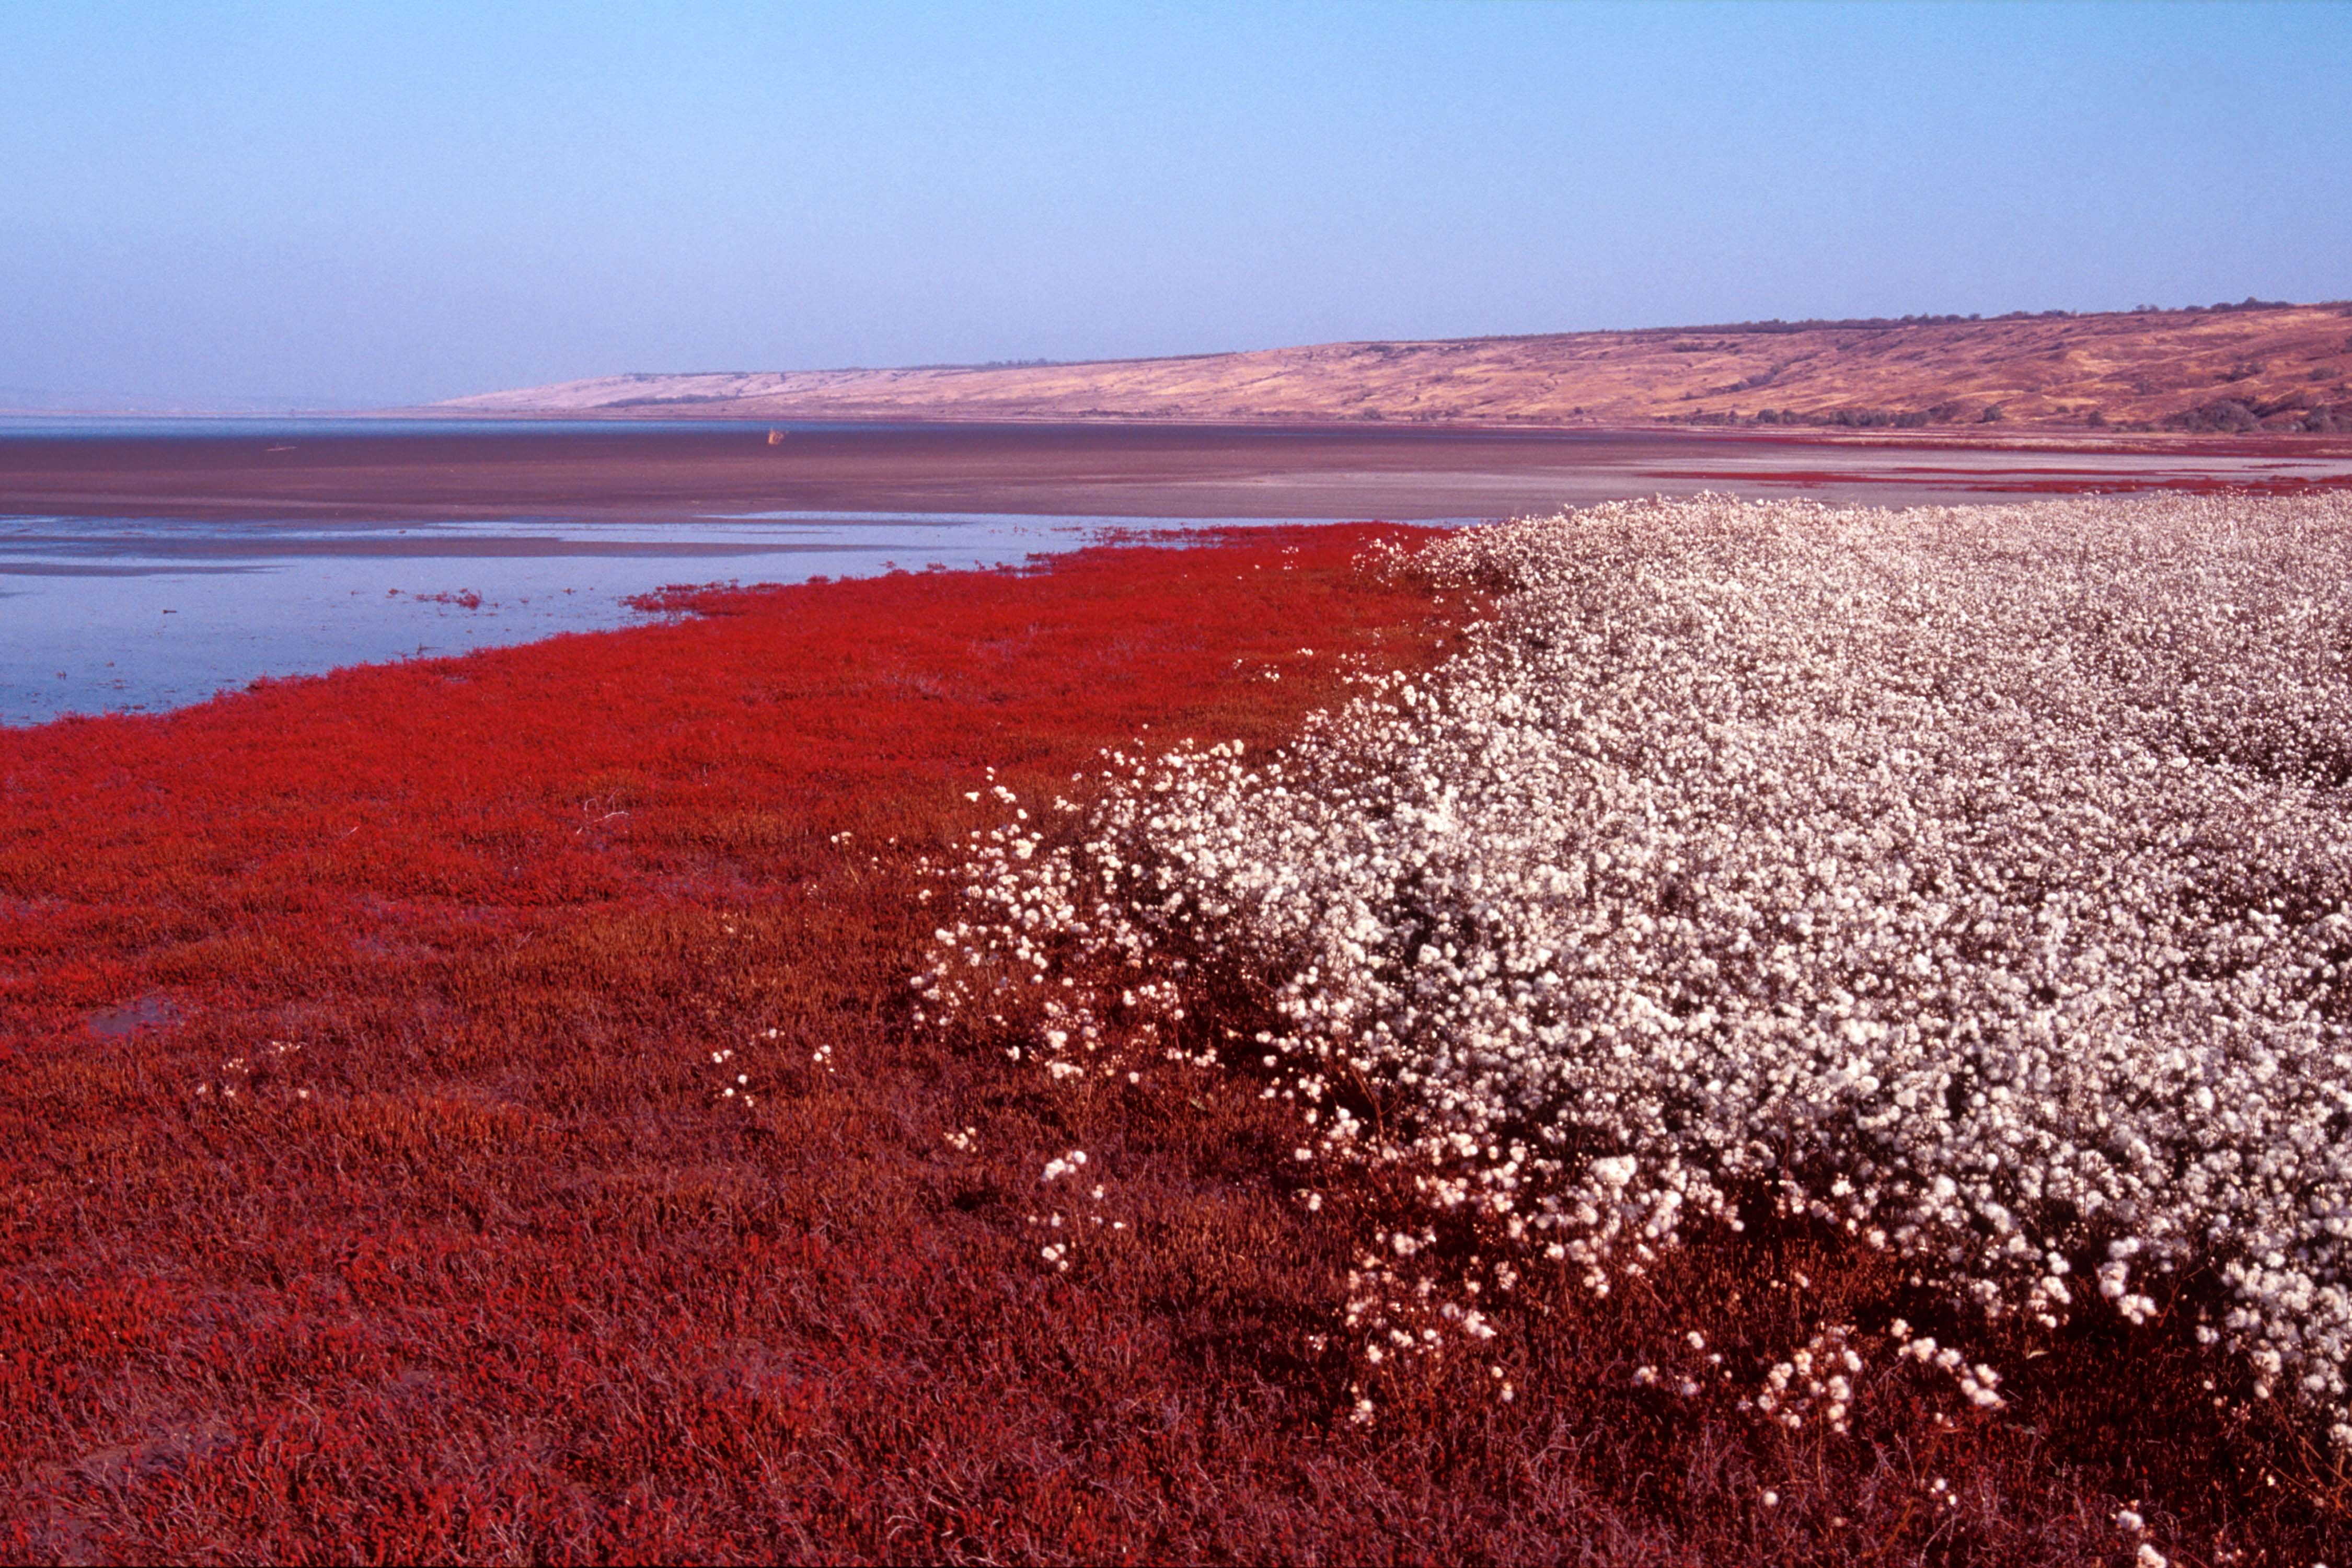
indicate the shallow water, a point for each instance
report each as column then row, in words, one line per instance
column 140, row 614
column 306, row 427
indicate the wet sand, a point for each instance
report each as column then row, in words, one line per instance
column 373, row 472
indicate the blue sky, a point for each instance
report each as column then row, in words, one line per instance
column 389, row 204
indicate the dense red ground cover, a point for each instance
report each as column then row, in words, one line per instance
column 369, row 1190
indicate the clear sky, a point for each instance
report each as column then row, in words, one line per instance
column 397, row 203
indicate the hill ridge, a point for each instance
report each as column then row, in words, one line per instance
column 2259, row 365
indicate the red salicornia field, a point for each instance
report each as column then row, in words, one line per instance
column 1686, row 1033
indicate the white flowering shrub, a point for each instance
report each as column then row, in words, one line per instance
column 1973, row 881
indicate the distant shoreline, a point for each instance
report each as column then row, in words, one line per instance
column 604, row 467
column 684, row 419
column 2019, row 436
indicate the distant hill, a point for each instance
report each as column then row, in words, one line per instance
column 2258, row 365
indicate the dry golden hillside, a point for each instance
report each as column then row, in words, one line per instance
column 2276, row 367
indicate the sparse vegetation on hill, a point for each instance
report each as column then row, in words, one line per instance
column 2289, row 365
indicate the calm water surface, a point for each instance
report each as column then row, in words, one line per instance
column 139, row 615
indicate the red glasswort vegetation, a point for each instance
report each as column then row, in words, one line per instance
column 467, row 1110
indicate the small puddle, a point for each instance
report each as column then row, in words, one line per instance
column 149, row 1012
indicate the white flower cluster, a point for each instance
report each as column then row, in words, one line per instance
column 238, row 1071
column 1817, row 1381
column 1980, row 1384
column 735, row 1085
column 1978, row 881
column 1058, row 1253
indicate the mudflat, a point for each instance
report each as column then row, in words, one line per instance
column 374, row 469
